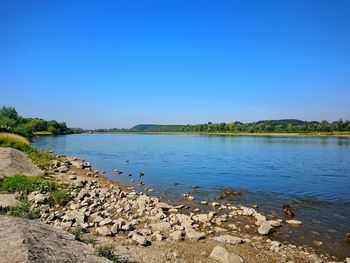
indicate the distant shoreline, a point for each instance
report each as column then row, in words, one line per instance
column 312, row 134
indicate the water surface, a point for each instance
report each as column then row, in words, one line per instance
column 312, row 174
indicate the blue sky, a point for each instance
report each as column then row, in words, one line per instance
column 120, row 63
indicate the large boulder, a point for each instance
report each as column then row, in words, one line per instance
column 14, row 162
column 24, row 241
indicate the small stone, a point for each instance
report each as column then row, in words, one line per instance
column 141, row 240
column 177, row 235
column 191, row 198
column 103, row 231
column 162, row 226
column 294, row 222
column 264, row 228
column 231, row 239
column 204, row 202
column 105, row 222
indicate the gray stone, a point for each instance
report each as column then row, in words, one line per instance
column 294, row 222
column 7, row 200
column 194, row 235
column 15, row 162
column 105, row 222
column 141, row 240
column 231, row 239
column 264, row 228
column 221, row 255
column 177, row 235
column 103, row 231
column 161, row 226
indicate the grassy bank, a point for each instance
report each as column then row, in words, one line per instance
column 40, row 157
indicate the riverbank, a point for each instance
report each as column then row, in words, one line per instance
column 141, row 228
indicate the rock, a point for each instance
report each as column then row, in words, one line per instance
column 221, row 255
column 157, row 236
column 215, row 204
column 347, row 260
column 23, row 240
column 7, row 200
column 294, row 222
column 72, row 177
column 103, row 231
column 37, row 198
column 164, row 206
column 275, row 246
column 259, row 219
column 63, row 169
column 15, row 162
column 115, row 228
column 264, row 228
column 203, row 218
column 274, row 223
column 194, row 235
column 191, row 198
column 177, row 235
column 162, row 226
column 141, row 240
column 105, row 222
column 204, row 202
column 231, row 239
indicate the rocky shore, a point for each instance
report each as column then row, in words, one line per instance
column 143, row 229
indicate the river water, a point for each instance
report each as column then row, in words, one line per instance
column 312, row 174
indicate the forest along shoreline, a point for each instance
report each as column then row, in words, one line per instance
column 141, row 228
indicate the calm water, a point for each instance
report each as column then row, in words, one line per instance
column 310, row 173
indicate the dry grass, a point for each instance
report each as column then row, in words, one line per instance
column 14, row 137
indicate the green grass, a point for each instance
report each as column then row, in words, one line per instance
column 59, row 197
column 107, row 251
column 40, row 157
column 23, row 209
column 26, row 184
column 77, row 232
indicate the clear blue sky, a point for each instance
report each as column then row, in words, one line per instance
column 120, row 63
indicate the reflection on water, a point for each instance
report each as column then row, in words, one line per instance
column 312, row 174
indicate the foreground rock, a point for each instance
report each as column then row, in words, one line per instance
column 23, row 240
column 16, row 162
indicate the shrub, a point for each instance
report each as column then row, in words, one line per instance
column 59, row 197
column 44, row 185
column 107, row 251
column 40, row 157
column 23, row 209
column 76, row 231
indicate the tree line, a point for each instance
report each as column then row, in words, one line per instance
column 265, row 126
column 10, row 121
